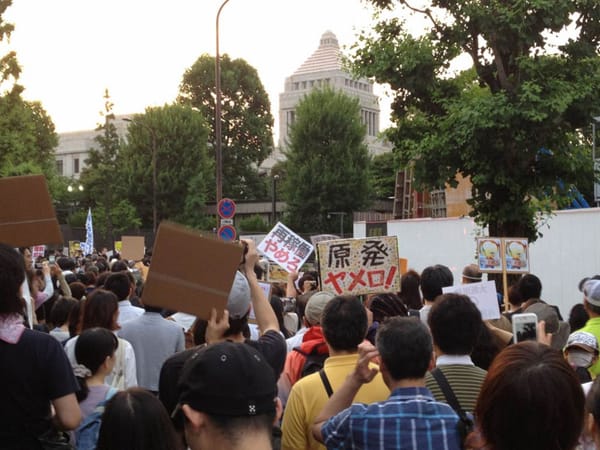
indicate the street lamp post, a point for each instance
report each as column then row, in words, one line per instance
column 274, row 206
column 71, row 189
column 218, row 149
column 341, row 214
column 154, row 176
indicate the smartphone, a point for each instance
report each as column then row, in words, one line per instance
column 524, row 327
column 51, row 259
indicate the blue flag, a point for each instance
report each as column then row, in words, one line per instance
column 88, row 245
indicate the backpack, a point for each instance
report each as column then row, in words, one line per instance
column 86, row 435
column 313, row 360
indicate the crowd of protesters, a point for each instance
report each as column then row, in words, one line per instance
column 86, row 364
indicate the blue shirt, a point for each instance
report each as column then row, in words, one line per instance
column 409, row 419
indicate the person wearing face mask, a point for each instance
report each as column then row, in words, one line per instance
column 581, row 352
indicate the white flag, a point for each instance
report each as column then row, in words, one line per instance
column 88, row 245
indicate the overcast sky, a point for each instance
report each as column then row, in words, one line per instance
column 71, row 50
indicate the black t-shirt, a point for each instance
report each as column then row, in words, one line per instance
column 33, row 372
column 271, row 345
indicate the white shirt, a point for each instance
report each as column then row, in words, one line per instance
column 296, row 339
column 130, row 367
column 128, row 312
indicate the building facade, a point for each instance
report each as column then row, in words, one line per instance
column 324, row 68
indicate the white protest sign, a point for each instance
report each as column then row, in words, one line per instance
column 285, row 247
column 482, row 294
column 359, row 266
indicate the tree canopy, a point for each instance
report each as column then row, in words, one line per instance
column 247, row 122
column 27, row 135
column 185, row 173
column 513, row 121
column 327, row 167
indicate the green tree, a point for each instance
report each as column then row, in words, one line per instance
column 382, row 175
column 184, row 170
column 247, row 123
column 27, row 136
column 512, row 121
column 100, row 176
column 327, row 161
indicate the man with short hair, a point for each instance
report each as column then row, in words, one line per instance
column 344, row 324
column 455, row 324
column 229, row 399
column 122, row 285
column 433, row 279
column 410, row 418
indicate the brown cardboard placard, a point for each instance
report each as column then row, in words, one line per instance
column 27, row 216
column 190, row 272
column 133, row 248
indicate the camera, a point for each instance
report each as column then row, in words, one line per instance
column 289, row 304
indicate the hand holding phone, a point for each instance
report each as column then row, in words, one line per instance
column 524, row 327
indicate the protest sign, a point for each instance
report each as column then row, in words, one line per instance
column 190, row 272
column 276, row 274
column 489, row 254
column 516, row 255
column 285, row 247
column 483, row 294
column 118, row 246
column 359, row 266
column 74, row 248
column 314, row 240
column 27, row 216
column 132, row 247
column 38, row 251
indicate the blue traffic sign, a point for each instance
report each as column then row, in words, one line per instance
column 226, row 208
column 227, row 233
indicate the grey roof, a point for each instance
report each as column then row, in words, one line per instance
column 326, row 58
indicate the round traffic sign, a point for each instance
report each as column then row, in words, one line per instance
column 226, row 208
column 227, row 233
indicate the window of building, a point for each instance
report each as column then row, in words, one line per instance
column 76, row 165
column 59, row 166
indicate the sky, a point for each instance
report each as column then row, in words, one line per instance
column 71, row 50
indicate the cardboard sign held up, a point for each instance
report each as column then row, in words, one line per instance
column 483, row 294
column 359, row 266
column 27, row 216
column 133, row 248
column 190, row 272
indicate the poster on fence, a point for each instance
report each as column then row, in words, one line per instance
column 359, row 266
column 285, row 247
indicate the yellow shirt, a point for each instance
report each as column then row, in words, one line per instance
column 308, row 397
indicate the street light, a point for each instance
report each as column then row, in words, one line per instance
column 71, row 190
column 595, row 120
column 218, row 156
column 274, row 206
column 341, row 214
column 154, row 181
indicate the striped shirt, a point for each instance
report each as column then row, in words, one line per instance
column 465, row 381
column 409, row 419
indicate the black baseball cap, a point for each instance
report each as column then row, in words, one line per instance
column 228, row 379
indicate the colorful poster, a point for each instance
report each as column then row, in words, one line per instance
column 489, row 254
column 483, row 294
column 118, row 246
column 359, row 266
column 516, row 255
column 74, row 249
column 285, row 247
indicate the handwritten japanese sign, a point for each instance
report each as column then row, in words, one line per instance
column 482, row 294
column 285, row 247
column 359, row 266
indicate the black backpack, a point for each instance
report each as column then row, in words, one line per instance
column 313, row 360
